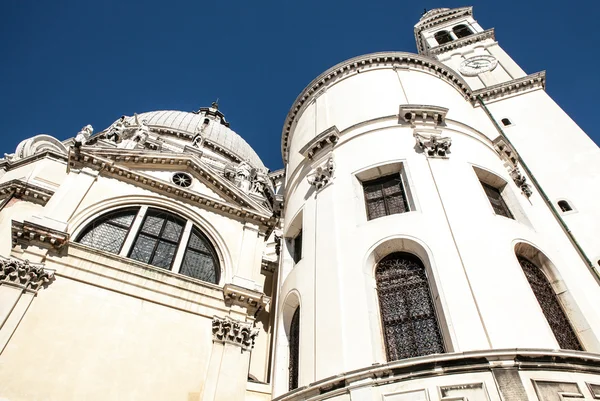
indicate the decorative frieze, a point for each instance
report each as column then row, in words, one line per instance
column 419, row 113
column 530, row 82
column 230, row 331
column 34, row 234
column 322, row 174
column 433, row 145
column 327, row 138
column 521, row 181
column 23, row 274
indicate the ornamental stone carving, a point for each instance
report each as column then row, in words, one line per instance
column 521, row 181
column 433, row 145
column 323, row 174
column 422, row 114
column 115, row 132
column 230, row 331
column 23, row 274
column 28, row 233
column 84, row 135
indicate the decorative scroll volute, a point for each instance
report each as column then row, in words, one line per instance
column 23, row 274
column 230, row 331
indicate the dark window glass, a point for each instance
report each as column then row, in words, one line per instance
column 496, row 200
column 200, row 260
column 409, row 320
column 564, row 206
column 506, row 122
column 385, row 196
column 108, row 232
column 443, row 37
column 554, row 313
column 294, row 349
column 461, row 31
column 157, row 241
column 297, row 247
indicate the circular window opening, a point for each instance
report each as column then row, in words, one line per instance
column 182, row 179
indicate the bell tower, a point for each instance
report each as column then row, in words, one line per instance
column 454, row 37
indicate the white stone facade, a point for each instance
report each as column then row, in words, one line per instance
column 480, row 157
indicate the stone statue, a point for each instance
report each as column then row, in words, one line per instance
column 259, row 183
column 243, row 175
column 116, row 130
column 84, row 135
column 142, row 132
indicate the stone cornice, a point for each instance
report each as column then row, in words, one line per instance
column 26, row 191
column 29, row 233
column 326, row 138
column 110, row 168
column 9, row 164
column 530, row 82
column 230, row 331
column 456, row 44
column 244, row 297
column 374, row 60
column 22, row 274
column 422, row 113
column 455, row 363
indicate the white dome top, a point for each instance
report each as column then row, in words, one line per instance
column 218, row 133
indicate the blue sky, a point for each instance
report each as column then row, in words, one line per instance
column 69, row 63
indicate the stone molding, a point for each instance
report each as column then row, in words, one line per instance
column 328, row 137
column 467, row 40
column 453, row 363
column 519, row 85
column 246, row 298
column 424, row 114
column 29, row 233
column 243, row 208
column 26, row 191
column 230, row 331
column 322, row 174
column 433, row 145
column 507, row 153
column 25, row 275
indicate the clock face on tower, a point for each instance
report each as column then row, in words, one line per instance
column 477, row 64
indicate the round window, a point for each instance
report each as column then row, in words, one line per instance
column 182, row 179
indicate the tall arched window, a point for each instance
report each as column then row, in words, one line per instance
column 553, row 311
column 294, row 350
column 462, row 30
column 156, row 241
column 409, row 320
column 442, row 37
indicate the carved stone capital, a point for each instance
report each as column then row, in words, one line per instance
column 230, row 331
column 322, row 174
column 33, row 234
column 22, row 274
column 327, row 138
column 506, row 152
column 251, row 300
column 433, row 145
column 521, row 181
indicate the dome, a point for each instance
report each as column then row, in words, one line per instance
column 217, row 133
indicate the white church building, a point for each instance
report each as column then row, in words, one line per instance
column 432, row 237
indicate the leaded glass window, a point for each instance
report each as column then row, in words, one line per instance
column 109, row 231
column 157, row 241
column 294, row 350
column 408, row 314
column 385, row 196
column 553, row 311
column 200, row 260
column 462, row 30
column 495, row 197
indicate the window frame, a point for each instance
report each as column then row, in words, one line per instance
column 103, row 219
column 381, row 180
column 504, row 205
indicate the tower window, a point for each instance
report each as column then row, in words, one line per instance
column 495, row 197
column 462, row 30
column 506, row 122
column 297, row 247
column 442, row 37
column 385, row 196
column 294, row 350
column 564, row 206
column 410, row 325
column 554, row 313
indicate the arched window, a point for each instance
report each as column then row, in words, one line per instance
column 294, row 350
column 442, row 37
column 462, row 30
column 564, row 206
column 506, row 122
column 409, row 320
column 554, row 313
column 156, row 241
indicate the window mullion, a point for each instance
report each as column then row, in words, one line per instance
column 132, row 235
column 180, row 253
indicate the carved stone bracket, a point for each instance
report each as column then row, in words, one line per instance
column 251, row 300
column 24, row 275
column 420, row 113
column 322, row 174
column 506, row 152
column 26, row 191
column 31, row 233
column 230, row 331
column 329, row 137
column 521, row 181
column 433, row 145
